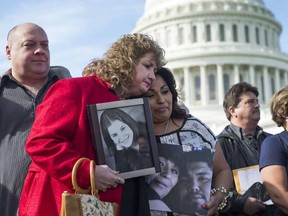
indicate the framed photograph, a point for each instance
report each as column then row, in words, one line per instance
column 123, row 136
column 249, row 183
column 184, row 182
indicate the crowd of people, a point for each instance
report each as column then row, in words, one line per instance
column 45, row 129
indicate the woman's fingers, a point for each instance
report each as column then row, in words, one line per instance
column 119, row 180
column 106, row 178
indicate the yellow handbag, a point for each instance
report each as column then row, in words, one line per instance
column 85, row 202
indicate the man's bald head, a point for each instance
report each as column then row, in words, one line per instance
column 28, row 51
column 19, row 29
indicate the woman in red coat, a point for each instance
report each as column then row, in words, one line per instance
column 61, row 134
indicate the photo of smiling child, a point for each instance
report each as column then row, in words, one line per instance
column 121, row 133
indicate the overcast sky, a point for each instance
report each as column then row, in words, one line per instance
column 80, row 30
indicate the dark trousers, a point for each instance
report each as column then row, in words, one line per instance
column 134, row 201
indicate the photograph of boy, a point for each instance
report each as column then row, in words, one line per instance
column 184, row 182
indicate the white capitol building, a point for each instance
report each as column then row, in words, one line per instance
column 211, row 45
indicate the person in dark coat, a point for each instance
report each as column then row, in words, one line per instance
column 241, row 143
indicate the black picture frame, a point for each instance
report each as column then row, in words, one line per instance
column 138, row 159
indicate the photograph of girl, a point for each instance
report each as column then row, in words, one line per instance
column 121, row 133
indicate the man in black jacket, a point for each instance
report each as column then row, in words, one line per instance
column 241, row 143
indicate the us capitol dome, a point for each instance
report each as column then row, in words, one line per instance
column 211, row 45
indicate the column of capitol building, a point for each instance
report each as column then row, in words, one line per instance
column 211, row 45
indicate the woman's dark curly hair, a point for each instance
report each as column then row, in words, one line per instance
column 168, row 77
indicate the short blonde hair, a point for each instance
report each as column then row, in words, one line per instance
column 279, row 107
column 118, row 64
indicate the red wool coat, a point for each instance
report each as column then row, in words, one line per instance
column 59, row 137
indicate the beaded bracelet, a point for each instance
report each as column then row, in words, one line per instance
column 223, row 204
column 222, row 190
column 224, row 201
